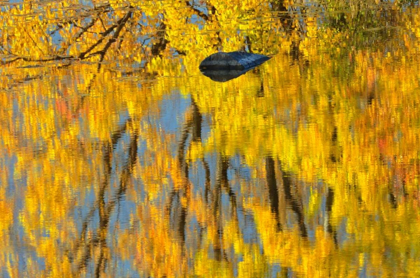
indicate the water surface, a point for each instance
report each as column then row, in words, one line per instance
column 126, row 161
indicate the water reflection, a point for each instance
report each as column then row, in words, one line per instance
column 305, row 166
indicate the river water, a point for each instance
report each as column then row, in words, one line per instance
column 305, row 166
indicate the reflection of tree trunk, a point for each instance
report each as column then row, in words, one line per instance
column 334, row 147
column 336, row 153
column 221, row 170
column 178, row 214
column 105, row 205
column 221, row 179
column 197, row 120
column 181, row 147
column 177, row 209
column 329, row 203
column 105, row 209
column 392, row 198
column 260, row 92
column 103, row 214
column 370, row 97
column 108, row 148
column 284, row 272
column 294, row 201
column 232, row 196
column 207, row 180
column 273, row 190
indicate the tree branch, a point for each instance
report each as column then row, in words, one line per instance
column 120, row 24
column 116, row 35
column 197, row 11
column 26, row 59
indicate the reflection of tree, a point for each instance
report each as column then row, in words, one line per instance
column 284, row 193
column 292, row 196
column 179, row 198
column 286, row 19
column 351, row 153
column 368, row 23
column 91, row 243
column 273, row 191
column 177, row 207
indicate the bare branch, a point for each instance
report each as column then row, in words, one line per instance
column 197, row 11
column 26, row 59
column 119, row 25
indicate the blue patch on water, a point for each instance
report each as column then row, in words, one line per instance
column 173, row 108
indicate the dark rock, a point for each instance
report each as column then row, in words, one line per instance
column 224, row 66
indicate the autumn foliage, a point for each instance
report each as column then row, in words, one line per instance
column 118, row 158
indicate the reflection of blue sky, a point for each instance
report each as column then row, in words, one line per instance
column 172, row 110
column 169, row 120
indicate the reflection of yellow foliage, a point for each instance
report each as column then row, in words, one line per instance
column 6, row 217
column 205, row 266
column 347, row 120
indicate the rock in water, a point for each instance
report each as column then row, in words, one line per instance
column 224, row 66
column 232, row 61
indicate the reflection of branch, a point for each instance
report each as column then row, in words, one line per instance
column 328, row 204
column 181, row 158
column 17, row 82
column 197, row 120
column 221, row 178
column 207, row 179
column 232, row 198
column 126, row 173
column 273, row 190
column 177, row 214
column 177, row 210
column 392, row 198
column 181, row 146
column 285, row 18
column 105, row 210
column 294, row 202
